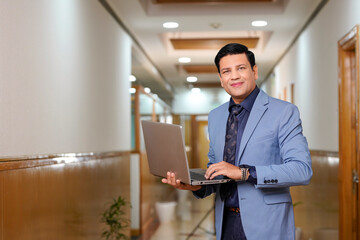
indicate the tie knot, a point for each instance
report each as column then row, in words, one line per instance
column 236, row 109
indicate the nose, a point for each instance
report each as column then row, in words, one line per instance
column 235, row 75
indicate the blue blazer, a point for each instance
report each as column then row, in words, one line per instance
column 272, row 142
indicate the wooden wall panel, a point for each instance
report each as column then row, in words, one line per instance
column 62, row 201
column 203, row 143
column 152, row 191
column 1, row 205
column 317, row 206
column 211, row 43
column 200, row 69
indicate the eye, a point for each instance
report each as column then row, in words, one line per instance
column 225, row 72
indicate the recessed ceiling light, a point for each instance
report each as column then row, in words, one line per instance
column 259, row 23
column 184, row 59
column 132, row 78
column 132, row 90
column 170, row 25
column 147, row 90
column 195, row 90
column 215, row 25
column 191, row 79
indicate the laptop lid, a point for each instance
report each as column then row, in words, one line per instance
column 165, row 150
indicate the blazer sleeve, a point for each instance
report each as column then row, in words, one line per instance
column 295, row 168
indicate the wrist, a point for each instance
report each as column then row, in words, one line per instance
column 244, row 174
column 247, row 174
column 195, row 188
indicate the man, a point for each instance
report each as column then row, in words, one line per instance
column 257, row 141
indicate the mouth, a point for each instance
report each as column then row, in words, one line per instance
column 237, row 84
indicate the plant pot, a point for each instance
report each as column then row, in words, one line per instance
column 184, row 210
column 297, row 233
column 165, row 211
column 182, row 195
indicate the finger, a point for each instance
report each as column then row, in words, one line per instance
column 172, row 179
column 164, row 180
column 214, row 167
column 217, row 173
column 168, row 177
column 179, row 184
column 210, row 171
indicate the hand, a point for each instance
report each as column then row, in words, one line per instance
column 225, row 169
column 170, row 179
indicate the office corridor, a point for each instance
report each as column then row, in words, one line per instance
column 194, row 219
column 78, row 77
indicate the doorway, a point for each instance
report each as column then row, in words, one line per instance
column 197, row 138
column 349, row 148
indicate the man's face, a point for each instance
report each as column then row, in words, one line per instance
column 237, row 77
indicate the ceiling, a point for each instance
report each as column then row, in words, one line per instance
column 205, row 26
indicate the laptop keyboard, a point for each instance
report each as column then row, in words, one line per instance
column 196, row 176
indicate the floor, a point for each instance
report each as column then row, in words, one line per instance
column 193, row 219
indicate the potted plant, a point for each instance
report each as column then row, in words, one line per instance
column 114, row 218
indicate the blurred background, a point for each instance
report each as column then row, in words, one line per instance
column 77, row 77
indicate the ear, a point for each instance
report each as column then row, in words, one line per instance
column 255, row 69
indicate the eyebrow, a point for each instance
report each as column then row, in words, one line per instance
column 227, row 68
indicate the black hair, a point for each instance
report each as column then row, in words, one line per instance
column 232, row 49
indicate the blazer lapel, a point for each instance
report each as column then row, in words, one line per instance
column 257, row 111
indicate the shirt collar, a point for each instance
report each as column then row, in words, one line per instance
column 248, row 101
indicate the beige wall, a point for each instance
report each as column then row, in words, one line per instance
column 311, row 64
column 64, row 67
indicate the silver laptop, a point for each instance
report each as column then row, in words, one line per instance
column 165, row 150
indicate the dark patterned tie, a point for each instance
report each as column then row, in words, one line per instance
column 227, row 189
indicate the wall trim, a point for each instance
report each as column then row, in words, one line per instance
column 322, row 153
column 29, row 161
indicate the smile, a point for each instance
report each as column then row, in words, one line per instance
column 237, row 84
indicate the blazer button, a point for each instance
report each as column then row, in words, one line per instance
column 276, row 180
column 272, row 180
column 265, row 181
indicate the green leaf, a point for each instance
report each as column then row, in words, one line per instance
column 113, row 217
